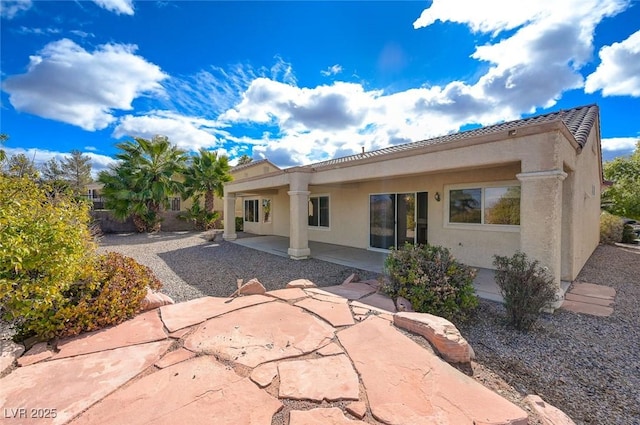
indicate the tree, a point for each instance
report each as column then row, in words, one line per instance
column 3, row 139
column 141, row 183
column 52, row 170
column 623, row 197
column 77, row 171
column 21, row 166
column 206, row 175
column 245, row 159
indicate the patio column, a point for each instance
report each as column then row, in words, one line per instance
column 541, row 219
column 298, row 217
column 230, row 217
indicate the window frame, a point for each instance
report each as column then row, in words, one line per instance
column 319, row 226
column 256, row 213
column 482, row 225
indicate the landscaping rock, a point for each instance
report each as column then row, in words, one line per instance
column 329, row 378
column 174, row 357
column 287, row 294
column 329, row 416
column 441, row 333
column 9, row 352
column 337, row 314
column 357, row 409
column 40, row 351
column 330, row 350
column 404, row 305
column 252, row 287
column 264, row 374
column 549, row 414
column 301, row 283
column 154, row 300
column 353, row 277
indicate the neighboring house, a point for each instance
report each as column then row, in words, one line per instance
column 94, row 193
column 531, row 185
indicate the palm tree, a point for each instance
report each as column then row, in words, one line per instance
column 141, row 183
column 206, row 174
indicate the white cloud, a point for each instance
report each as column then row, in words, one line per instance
column 91, row 148
column 187, row 133
column 332, row 70
column 619, row 143
column 40, row 156
column 10, row 8
column 121, row 7
column 64, row 82
column 619, row 71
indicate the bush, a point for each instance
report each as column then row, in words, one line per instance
column 201, row 219
column 525, row 287
column 239, row 224
column 611, row 228
column 432, row 280
column 45, row 246
column 115, row 297
column 628, row 235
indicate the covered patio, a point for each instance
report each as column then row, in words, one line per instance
column 362, row 259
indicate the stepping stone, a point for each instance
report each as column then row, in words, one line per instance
column 301, row 283
column 357, row 409
column 197, row 391
column 174, row 357
column 593, row 290
column 181, row 315
column 337, row 314
column 406, row 384
column 264, row 374
column 585, row 308
column 605, row 302
column 330, row 298
column 351, row 291
column 550, row 415
column 380, row 301
column 287, row 294
column 328, row 416
column 263, row 333
column 71, row 385
column 37, row 353
column 145, row 327
column 328, row 378
column 330, row 350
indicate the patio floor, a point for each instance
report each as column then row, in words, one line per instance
column 362, row 259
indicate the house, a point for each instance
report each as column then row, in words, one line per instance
column 532, row 185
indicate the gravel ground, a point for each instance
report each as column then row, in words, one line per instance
column 587, row 366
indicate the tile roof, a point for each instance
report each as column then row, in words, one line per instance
column 250, row 164
column 578, row 121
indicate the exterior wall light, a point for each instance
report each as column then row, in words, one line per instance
column 437, row 196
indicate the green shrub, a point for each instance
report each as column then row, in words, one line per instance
column 526, row 289
column 115, row 297
column 611, row 228
column 239, row 224
column 432, row 280
column 201, row 219
column 45, row 246
column 628, row 236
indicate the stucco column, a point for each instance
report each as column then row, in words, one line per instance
column 230, row 217
column 541, row 219
column 299, row 216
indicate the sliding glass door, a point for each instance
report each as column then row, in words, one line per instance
column 397, row 218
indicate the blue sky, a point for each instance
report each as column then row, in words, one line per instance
column 301, row 82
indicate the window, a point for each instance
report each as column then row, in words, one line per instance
column 485, row 205
column 175, row 204
column 319, row 211
column 251, row 210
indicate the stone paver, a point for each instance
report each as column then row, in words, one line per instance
column 174, row 357
column 328, row 378
column 328, row 297
column 604, row 302
column 440, row 332
column 288, row 294
column 337, row 314
column 352, row 290
column 146, row 327
column 181, row 315
column 379, row 301
column 39, row 352
column 357, row 409
column 9, row 352
column 198, row 391
column 301, row 283
column 587, row 308
column 406, row 384
column 330, row 350
column 593, row 290
column 264, row 374
column 73, row 384
column 589, row 298
column 266, row 332
column 329, row 416
column 548, row 414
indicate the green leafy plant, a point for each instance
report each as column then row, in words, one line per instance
column 201, row 218
column 611, row 228
column 432, row 280
column 525, row 287
column 628, row 235
column 239, row 224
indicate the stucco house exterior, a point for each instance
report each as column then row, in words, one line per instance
column 531, row 185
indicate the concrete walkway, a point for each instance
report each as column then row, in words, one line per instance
column 361, row 259
column 294, row 356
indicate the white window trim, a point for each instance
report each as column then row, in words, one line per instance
column 318, row 227
column 244, row 210
column 511, row 228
